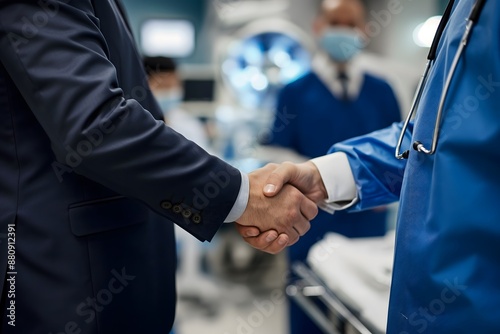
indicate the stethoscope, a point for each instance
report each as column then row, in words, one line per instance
column 471, row 21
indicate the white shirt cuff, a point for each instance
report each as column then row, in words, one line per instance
column 241, row 201
column 338, row 180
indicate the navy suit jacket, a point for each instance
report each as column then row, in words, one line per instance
column 91, row 179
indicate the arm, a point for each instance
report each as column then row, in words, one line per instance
column 63, row 70
column 377, row 174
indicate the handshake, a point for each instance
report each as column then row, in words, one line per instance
column 283, row 200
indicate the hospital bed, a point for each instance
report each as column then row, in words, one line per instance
column 344, row 284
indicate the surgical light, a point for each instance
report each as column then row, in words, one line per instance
column 424, row 32
column 169, row 38
column 258, row 65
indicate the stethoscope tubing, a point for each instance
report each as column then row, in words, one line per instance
column 471, row 21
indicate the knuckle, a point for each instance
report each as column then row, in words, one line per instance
column 272, row 165
column 296, row 195
column 275, row 174
column 292, row 215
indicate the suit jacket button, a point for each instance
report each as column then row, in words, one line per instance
column 187, row 213
column 166, row 205
column 196, row 219
column 177, row 209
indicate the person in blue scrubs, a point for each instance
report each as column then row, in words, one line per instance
column 337, row 100
column 446, row 270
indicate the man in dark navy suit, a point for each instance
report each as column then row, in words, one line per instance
column 91, row 179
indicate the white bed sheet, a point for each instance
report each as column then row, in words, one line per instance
column 358, row 271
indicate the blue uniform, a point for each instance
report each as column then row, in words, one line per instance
column 309, row 119
column 446, row 270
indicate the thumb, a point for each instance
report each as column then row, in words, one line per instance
column 247, row 231
column 277, row 179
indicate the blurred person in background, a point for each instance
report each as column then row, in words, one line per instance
column 166, row 85
column 337, row 100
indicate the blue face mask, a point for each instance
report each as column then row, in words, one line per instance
column 169, row 100
column 341, row 43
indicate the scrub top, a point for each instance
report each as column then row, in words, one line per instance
column 446, row 275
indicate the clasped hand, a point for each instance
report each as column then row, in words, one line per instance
column 281, row 204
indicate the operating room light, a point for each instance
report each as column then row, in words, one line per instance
column 280, row 57
column 259, row 82
column 424, row 32
column 253, row 53
column 257, row 66
column 169, row 38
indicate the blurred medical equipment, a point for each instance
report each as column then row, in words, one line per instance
column 471, row 21
column 424, row 33
column 345, row 285
column 261, row 58
column 238, row 12
column 167, row 37
column 253, row 64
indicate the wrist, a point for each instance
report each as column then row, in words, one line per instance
column 317, row 179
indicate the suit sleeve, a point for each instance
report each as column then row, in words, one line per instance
column 377, row 173
column 61, row 67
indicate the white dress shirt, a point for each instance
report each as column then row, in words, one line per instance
column 328, row 73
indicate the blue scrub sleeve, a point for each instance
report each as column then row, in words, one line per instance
column 377, row 172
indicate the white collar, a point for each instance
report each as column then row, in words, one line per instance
column 327, row 71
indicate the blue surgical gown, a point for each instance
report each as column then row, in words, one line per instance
column 446, row 275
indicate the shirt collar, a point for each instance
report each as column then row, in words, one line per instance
column 327, row 71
